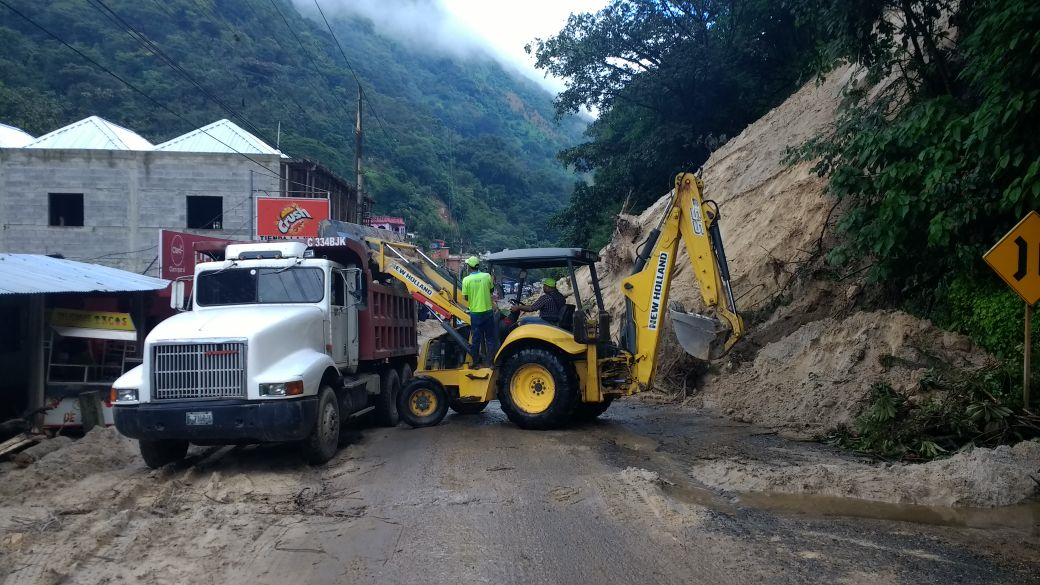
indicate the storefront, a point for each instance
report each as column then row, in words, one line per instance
column 68, row 327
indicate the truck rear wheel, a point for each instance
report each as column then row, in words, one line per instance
column 324, row 440
column 467, row 407
column 159, row 453
column 387, row 414
column 423, row 402
column 537, row 389
column 405, row 372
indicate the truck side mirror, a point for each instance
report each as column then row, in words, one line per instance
column 177, row 295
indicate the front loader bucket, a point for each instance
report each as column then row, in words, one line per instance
column 702, row 337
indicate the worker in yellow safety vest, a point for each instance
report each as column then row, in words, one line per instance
column 477, row 287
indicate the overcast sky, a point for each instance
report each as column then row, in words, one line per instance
column 507, row 25
column 467, row 27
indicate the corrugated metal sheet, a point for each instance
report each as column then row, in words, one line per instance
column 92, row 133
column 11, row 137
column 35, row 274
column 220, row 136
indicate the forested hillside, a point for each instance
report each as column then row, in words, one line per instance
column 447, row 138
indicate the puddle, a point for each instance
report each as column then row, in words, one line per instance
column 1022, row 517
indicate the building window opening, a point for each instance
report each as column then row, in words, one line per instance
column 66, row 209
column 205, row 212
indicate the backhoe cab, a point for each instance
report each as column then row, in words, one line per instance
column 547, row 375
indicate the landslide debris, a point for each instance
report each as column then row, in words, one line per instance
column 811, row 356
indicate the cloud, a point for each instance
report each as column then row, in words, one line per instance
column 422, row 25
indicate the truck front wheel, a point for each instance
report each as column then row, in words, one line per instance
column 159, row 453
column 324, row 439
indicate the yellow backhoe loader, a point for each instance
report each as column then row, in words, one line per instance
column 547, row 375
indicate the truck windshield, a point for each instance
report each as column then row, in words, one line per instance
column 240, row 286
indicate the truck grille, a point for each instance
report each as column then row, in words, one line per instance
column 193, row 371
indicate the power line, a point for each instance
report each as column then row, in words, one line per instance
column 361, row 90
column 137, row 90
column 101, row 7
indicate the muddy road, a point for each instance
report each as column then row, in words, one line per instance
column 476, row 500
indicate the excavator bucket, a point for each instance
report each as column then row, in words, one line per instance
column 702, row 337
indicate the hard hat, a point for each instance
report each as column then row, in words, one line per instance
column 549, row 282
column 473, row 261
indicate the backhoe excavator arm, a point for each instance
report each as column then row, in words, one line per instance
column 422, row 278
column 691, row 219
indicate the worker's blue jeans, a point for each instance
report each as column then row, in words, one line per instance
column 483, row 331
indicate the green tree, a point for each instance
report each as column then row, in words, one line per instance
column 941, row 158
column 673, row 81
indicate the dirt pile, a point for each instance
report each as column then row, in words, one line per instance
column 819, row 376
column 976, row 478
column 100, row 456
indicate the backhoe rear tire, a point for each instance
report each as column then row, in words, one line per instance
column 538, row 389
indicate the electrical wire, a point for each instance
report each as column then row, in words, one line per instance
column 364, row 96
column 266, row 171
column 105, row 10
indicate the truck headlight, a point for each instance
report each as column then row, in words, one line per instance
column 294, row 388
column 124, row 395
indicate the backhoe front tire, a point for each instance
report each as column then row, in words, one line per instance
column 423, row 402
column 159, row 453
column 538, row 389
column 324, row 440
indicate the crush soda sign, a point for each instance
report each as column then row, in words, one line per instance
column 282, row 217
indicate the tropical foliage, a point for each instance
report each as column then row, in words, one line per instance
column 672, row 81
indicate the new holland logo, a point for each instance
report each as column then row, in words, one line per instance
column 655, row 298
column 423, row 287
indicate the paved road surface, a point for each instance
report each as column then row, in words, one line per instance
column 476, row 500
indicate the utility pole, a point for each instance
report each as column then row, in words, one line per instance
column 357, row 160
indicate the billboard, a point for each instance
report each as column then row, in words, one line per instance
column 283, row 217
column 177, row 255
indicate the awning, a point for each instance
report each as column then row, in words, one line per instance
column 36, row 274
column 92, row 333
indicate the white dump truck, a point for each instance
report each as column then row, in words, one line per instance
column 282, row 342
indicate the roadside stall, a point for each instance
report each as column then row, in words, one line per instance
column 85, row 351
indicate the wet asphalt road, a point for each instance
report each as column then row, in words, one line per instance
column 476, row 500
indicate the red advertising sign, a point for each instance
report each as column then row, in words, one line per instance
column 282, row 217
column 177, row 255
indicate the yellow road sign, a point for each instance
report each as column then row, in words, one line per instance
column 1016, row 258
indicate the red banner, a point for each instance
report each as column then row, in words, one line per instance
column 282, row 217
column 177, row 255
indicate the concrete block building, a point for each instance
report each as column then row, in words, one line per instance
column 96, row 192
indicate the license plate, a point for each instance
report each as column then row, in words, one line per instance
column 200, row 418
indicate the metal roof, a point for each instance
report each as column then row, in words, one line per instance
column 11, row 137
column 93, row 133
column 35, row 274
column 220, row 136
column 542, row 257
